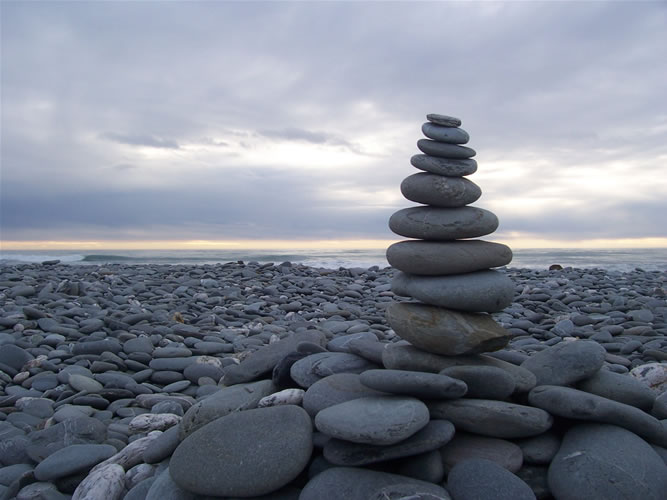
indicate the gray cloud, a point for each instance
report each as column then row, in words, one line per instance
column 140, row 140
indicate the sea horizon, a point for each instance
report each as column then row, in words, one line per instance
column 619, row 259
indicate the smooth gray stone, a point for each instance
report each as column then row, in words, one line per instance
column 540, row 449
column 78, row 430
column 13, row 450
column 310, row 369
column 622, row 388
column 262, row 361
column 444, row 331
column 97, row 347
column 163, row 446
column 408, row 357
column 425, row 467
column 140, row 490
column 40, row 491
column 477, row 479
column 451, row 135
column 379, row 420
column 333, row 390
column 165, row 488
column 481, row 291
column 12, row 472
column 14, row 356
column 444, row 166
column 341, row 342
column 434, row 435
column 466, row 446
column 483, row 382
column 444, row 150
column 443, row 120
column 492, row 418
column 659, row 409
column 440, row 191
column 140, row 344
column 72, row 460
column 443, row 224
column 368, row 349
column 579, row 405
column 438, row 258
column 566, row 362
column 248, row 453
column 605, row 461
column 231, row 399
column 358, row 484
column 417, row 384
column 83, row 383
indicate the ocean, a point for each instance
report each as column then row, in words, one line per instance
column 653, row 259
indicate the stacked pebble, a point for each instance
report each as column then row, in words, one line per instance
column 444, row 270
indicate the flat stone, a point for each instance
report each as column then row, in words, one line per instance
column 480, row 478
column 72, row 460
column 606, row 461
column 481, row 291
column 379, row 420
column 14, row 356
column 164, row 488
column 436, row 258
column 408, row 357
column 248, row 453
column 444, row 166
column 97, row 347
column 443, row 120
column 440, row 191
column 433, row 436
column 484, row 382
column 219, row 404
column 444, row 150
column 417, row 384
column 310, row 369
column 443, row 224
column 262, row 361
column 492, row 418
column 620, row 387
column 451, row 135
column 444, row 331
column 83, row 383
column 540, row 449
column 566, row 362
column 78, row 430
column 333, row 390
column 163, row 446
column 579, row 405
column 341, row 343
column 358, row 484
column 466, row 446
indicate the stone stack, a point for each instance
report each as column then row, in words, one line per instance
column 446, row 271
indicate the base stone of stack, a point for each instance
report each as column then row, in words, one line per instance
column 444, row 166
column 439, row 258
column 443, row 224
column 446, row 332
column 481, row 291
column 440, row 191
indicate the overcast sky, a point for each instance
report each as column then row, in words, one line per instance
column 297, row 120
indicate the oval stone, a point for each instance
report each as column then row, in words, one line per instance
column 566, row 362
column 444, row 120
column 440, row 133
column 444, row 166
column 438, row 258
column 443, row 224
column 444, row 150
column 481, row 478
column 442, row 331
column 605, row 461
column 466, row 446
column 417, row 384
column 440, row 191
column 380, row 420
column 481, row 291
column 333, row 390
column 249, row 453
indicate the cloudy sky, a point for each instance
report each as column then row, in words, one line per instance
column 295, row 121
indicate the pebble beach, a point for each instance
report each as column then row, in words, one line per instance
column 243, row 380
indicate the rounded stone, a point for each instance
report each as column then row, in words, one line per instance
column 605, row 461
column 83, row 383
column 481, row 291
column 440, row 133
column 310, row 369
column 333, row 390
column 248, row 453
column 484, row 382
column 443, row 224
column 619, row 387
column 443, row 120
column 72, row 459
column 466, row 446
column 438, row 258
column 444, row 150
column 444, row 166
column 566, row 362
column 417, row 384
column 479, row 478
column 447, row 332
column 440, row 191
column 380, row 420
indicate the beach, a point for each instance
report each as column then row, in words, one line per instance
column 114, row 356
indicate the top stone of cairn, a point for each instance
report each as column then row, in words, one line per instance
column 444, row 120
